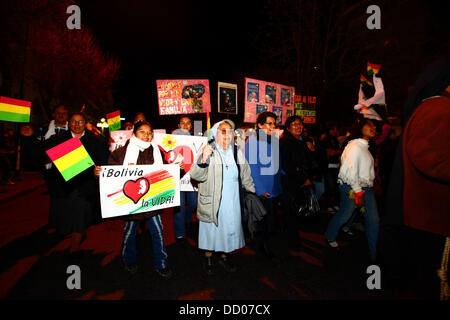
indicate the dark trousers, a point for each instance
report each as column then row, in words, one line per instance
column 291, row 220
column 331, row 195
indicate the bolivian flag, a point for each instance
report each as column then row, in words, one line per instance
column 14, row 110
column 113, row 120
column 373, row 69
column 364, row 81
column 70, row 157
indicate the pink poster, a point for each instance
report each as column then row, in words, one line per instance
column 263, row 96
column 183, row 96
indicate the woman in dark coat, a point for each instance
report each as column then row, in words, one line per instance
column 74, row 204
column 297, row 164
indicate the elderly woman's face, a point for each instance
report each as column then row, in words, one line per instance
column 144, row 133
column 77, row 124
column 224, row 135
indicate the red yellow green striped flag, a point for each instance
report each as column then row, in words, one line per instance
column 372, row 68
column 14, row 110
column 364, row 81
column 70, row 158
column 113, row 120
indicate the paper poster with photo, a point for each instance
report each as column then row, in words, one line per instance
column 252, row 92
column 227, row 98
column 270, row 95
column 261, row 108
column 279, row 113
column 286, row 97
column 119, row 138
column 129, row 190
column 183, row 96
column 177, row 148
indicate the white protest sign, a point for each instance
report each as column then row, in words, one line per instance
column 178, row 148
column 120, row 137
column 126, row 190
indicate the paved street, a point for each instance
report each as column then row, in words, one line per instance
column 35, row 261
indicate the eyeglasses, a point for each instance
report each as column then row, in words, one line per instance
column 270, row 123
column 77, row 122
column 226, row 131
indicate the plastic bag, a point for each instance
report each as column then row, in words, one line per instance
column 306, row 204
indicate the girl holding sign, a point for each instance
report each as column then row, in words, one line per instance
column 140, row 150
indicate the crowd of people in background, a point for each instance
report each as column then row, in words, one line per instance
column 304, row 155
column 348, row 167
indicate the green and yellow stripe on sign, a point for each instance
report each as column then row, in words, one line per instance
column 14, row 110
column 113, row 120
column 70, row 158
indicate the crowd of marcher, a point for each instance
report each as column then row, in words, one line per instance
column 348, row 167
column 275, row 168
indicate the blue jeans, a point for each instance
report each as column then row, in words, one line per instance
column 347, row 206
column 155, row 228
column 188, row 203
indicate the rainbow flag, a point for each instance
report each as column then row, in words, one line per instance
column 113, row 120
column 364, row 81
column 14, row 110
column 70, row 157
column 372, row 68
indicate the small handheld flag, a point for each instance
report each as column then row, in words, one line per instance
column 70, row 158
column 364, row 81
column 14, row 110
column 113, row 120
column 373, row 69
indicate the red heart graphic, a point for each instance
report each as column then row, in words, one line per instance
column 188, row 156
column 135, row 190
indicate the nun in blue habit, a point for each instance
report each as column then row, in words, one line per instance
column 219, row 208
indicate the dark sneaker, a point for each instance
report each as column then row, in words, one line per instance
column 333, row 244
column 348, row 231
column 227, row 265
column 165, row 273
column 132, row 268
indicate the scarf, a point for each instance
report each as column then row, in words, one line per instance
column 135, row 146
column 53, row 129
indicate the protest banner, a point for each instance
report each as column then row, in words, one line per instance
column 227, row 98
column 263, row 96
column 178, row 148
column 305, row 107
column 128, row 190
column 183, row 96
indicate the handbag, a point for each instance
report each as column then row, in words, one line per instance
column 305, row 203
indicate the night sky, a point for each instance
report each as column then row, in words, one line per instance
column 170, row 40
column 218, row 40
